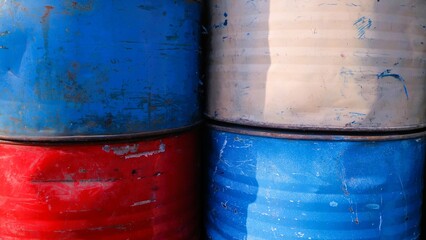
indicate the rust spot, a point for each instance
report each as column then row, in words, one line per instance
column 46, row 13
column 87, row 6
column 71, row 75
column 75, row 65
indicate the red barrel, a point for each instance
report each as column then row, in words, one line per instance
column 145, row 189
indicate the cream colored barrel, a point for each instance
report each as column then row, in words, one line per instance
column 355, row 65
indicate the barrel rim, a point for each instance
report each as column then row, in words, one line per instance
column 317, row 135
column 97, row 139
column 367, row 129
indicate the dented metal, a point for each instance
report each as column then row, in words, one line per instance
column 283, row 186
column 321, row 65
column 96, row 69
column 143, row 189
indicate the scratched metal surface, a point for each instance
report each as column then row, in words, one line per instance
column 288, row 188
column 319, row 64
column 91, row 68
column 135, row 190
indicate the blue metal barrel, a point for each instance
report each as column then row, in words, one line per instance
column 90, row 68
column 272, row 185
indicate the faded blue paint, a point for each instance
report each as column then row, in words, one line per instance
column 362, row 25
column 278, row 188
column 94, row 68
column 356, row 114
column 388, row 73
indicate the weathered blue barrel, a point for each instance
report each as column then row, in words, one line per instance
column 90, row 68
column 275, row 185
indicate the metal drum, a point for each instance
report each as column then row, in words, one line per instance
column 90, row 68
column 322, row 65
column 135, row 190
column 275, row 185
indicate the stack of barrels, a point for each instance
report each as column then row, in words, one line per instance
column 98, row 107
column 318, row 113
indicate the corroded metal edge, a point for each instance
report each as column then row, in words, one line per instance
column 281, row 127
column 317, row 135
column 95, row 139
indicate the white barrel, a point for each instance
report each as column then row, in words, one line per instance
column 357, row 65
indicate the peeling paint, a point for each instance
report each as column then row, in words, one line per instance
column 161, row 149
column 121, row 150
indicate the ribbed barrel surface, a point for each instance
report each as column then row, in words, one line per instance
column 144, row 189
column 310, row 64
column 91, row 68
column 293, row 186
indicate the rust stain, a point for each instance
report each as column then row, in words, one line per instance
column 75, row 65
column 46, row 14
column 71, row 75
column 87, row 6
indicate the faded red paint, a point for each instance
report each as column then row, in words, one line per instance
column 138, row 190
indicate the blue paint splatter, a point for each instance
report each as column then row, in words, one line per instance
column 388, row 73
column 357, row 114
column 224, row 24
column 363, row 24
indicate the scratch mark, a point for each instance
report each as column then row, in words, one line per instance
column 161, row 149
column 363, row 24
column 356, row 114
column 352, row 5
column 3, row 47
column 327, row 4
column 223, row 148
column 142, row 203
column 4, row 33
column 405, row 199
column 388, row 73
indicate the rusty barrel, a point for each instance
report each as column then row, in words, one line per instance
column 266, row 184
column 141, row 189
column 91, row 68
column 318, row 65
